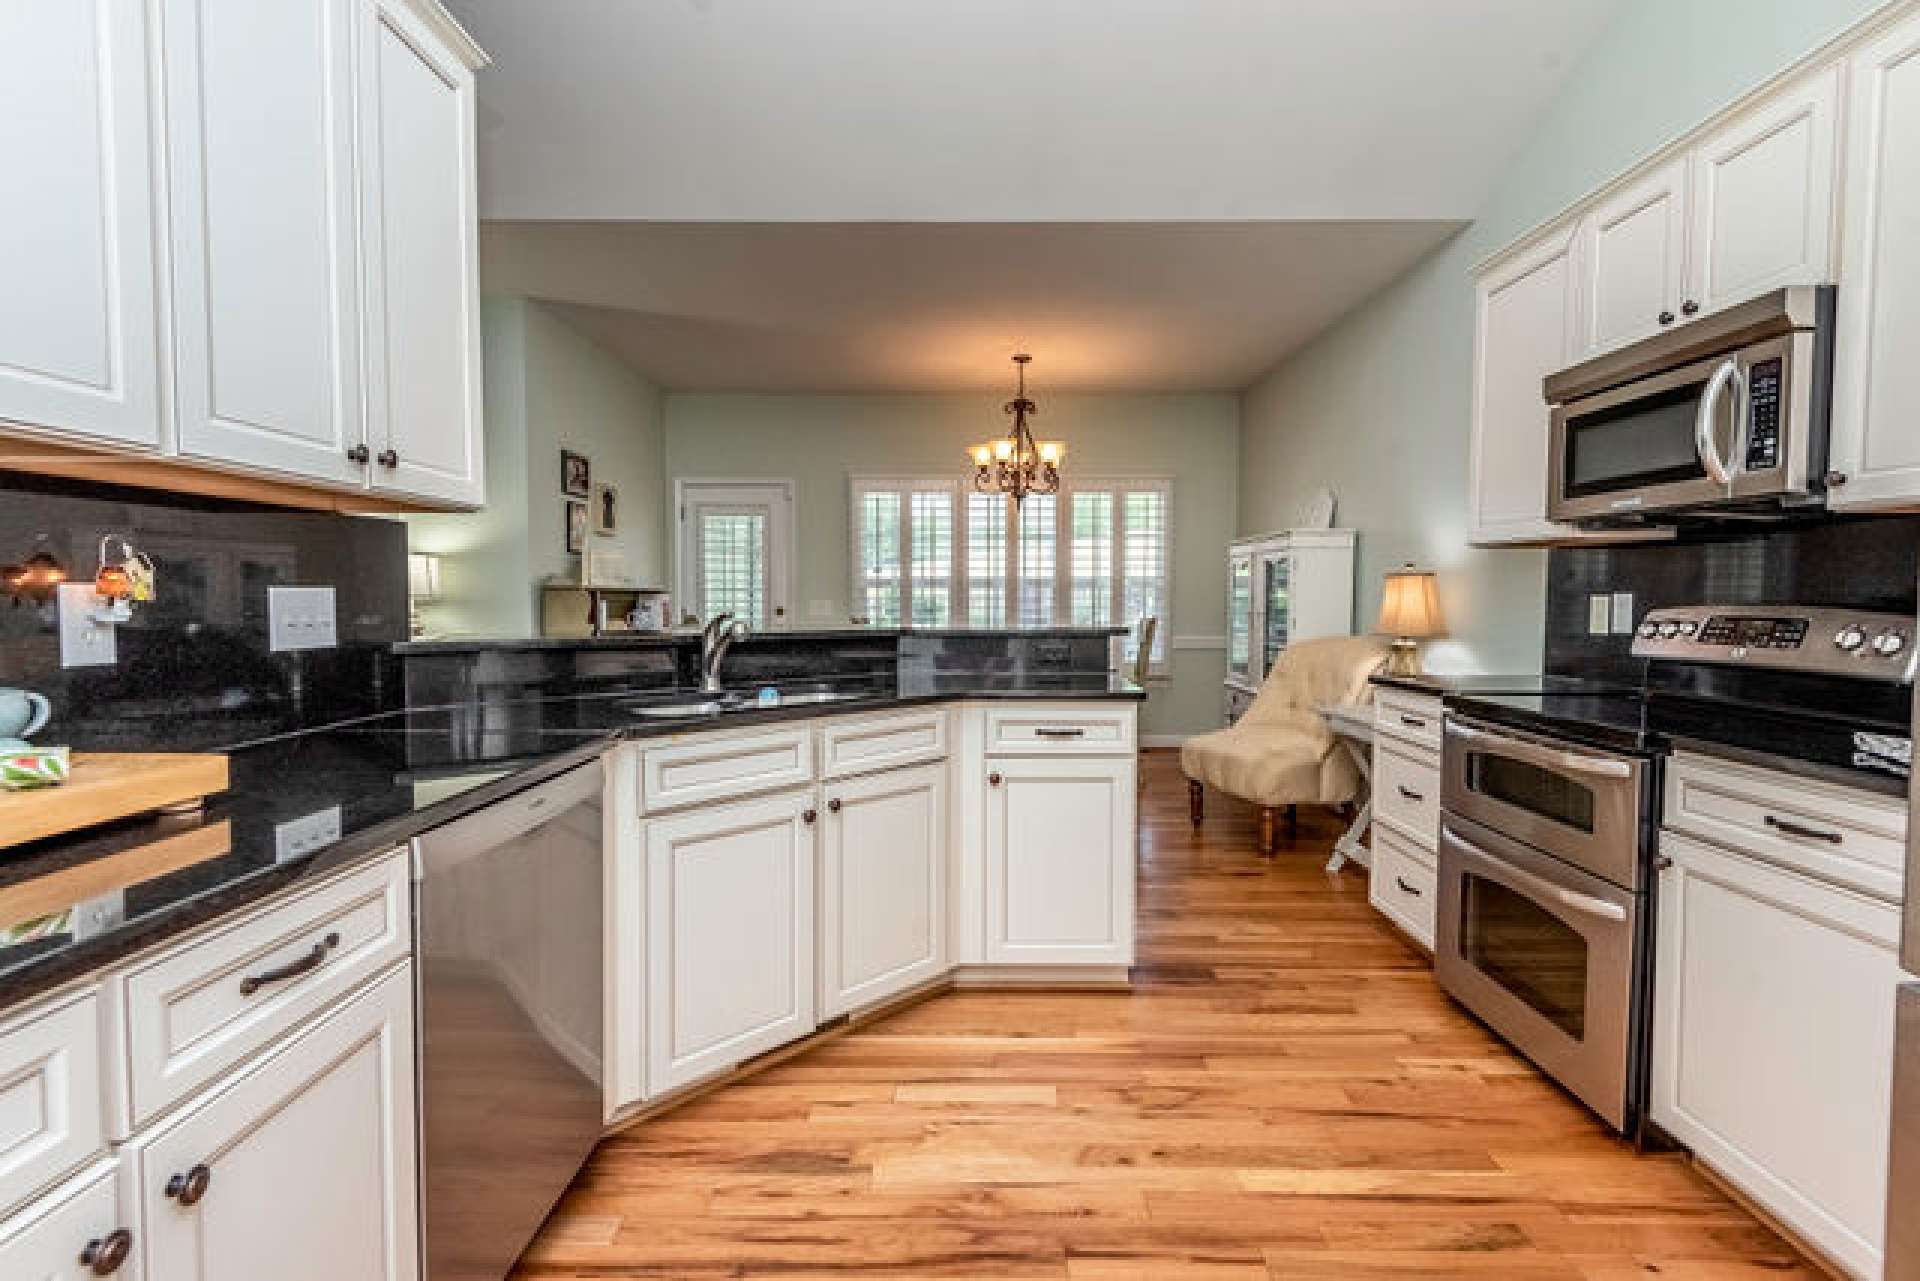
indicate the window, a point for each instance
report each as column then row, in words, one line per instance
column 1037, row 554
column 733, row 569
column 732, row 548
column 931, row 571
column 879, row 554
column 988, row 516
column 1090, row 558
column 905, row 561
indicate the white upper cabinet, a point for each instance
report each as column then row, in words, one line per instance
column 1763, row 196
column 1524, row 329
column 1876, row 410
column 418, row 195
column 1633, row 248
column 79, row 344
column 263, row 227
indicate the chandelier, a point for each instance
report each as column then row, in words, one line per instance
column 1018, row 464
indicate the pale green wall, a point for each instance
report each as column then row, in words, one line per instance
column 817, row 441
column 1379, row 406
column 547, row 387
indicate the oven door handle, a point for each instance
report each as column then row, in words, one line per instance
column 1727, row 375
column 1540, row 886
column 1573, row 762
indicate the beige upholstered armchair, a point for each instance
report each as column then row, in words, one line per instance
column 1280, row 753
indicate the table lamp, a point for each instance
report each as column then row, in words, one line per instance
column 1410, row 613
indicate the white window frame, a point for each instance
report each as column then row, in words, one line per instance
column 777, row 495
column 859, row 486
column 1119, row 487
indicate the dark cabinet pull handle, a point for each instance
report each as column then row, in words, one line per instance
column 1689, row 308
column 1415, row 721
column 1401, row 881
column 993, row 780
column 810, row 817
column 1049, row 732
column 188, row 1188
column 1409, row 793
column 358, row 454
column 105, row 1255
column 833, row 806
column 389, row 458
column 292, row 969
column 1805, row 833
column 1666, row 318
column 1661, row 863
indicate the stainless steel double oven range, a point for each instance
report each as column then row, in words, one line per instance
column 1550, row 814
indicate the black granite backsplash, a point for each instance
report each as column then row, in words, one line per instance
column 193, row 667
column 1868, row 563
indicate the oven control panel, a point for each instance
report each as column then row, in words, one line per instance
column 1820, row 641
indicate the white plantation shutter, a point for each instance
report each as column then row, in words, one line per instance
column 1090, row 558
column 733, row 571
column 1038, row 556
column 906, row 566
column 987, row 547
column 931, row 569
column 878, row 574
column 1143, row 565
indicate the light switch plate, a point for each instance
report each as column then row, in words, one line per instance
column 1599, row 614
column 1623, row 613
column 300, row 618
column 83, row 642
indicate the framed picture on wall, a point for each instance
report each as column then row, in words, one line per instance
column 576, row 474
column 606, row 509
column 576, row 528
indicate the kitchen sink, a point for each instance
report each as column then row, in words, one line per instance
column 682, row 708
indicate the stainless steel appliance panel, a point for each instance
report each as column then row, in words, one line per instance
column 509, row 908
column 1545, row 954
column 1582, row 805
column 1903, row 1174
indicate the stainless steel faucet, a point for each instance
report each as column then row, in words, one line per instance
column 721, row 631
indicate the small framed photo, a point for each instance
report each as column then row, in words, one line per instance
column 576, row 474
column 576, row 528
column 606, row 509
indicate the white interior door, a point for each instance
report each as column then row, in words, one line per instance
column 735, row 540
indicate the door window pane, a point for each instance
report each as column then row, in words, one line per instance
column 1527, row 950
column 1091, row 560
column 1277, row 611
column 1239, row 615
column 733, row 565
column 986, row 560
column 1038, row 536
column 932, row 568
column 880, row 557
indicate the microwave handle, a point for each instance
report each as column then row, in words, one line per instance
column 1727, row 375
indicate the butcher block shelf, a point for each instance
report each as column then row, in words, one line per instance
column 107, row 786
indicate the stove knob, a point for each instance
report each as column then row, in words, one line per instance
column 1850, row 638
column 1889, row 644
column 1649, row 630
column 1669, row 630
column 1688, row 627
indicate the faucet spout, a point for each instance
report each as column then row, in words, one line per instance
column 718, row 638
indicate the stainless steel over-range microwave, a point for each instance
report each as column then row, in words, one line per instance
column 1728, row 413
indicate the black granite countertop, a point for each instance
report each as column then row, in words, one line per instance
column 71, row 905
column 1441, row 686
column 682, row 636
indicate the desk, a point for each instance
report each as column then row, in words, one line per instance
column 1352, row 724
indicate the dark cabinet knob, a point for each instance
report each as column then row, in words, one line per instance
column 1689, row 308
column 810, row 816
column 1666, row 318
column 993, row 780
column 389, row 458
column 188, row 1188
column 1835, row 479
column 105, row 1255
column 358, row 454
column 833, row 806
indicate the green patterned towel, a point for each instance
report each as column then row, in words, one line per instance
column 41, row 767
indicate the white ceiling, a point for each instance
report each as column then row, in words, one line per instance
column 929, row 307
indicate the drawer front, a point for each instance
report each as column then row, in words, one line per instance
column 197, row 1010
column 52, row 1106
column 1412, row 718
column 1406, row 792
column 1403, row 887
column 1068, row 731
column 1837, row 834
column 708, row 769
column 882, row 742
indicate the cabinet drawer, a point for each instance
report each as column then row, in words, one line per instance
column 1074, row 731
column 199, row 1009
column 725, row 767
column 1403, row 886
column 1406, row 791
column 881, row 742
column 1412, row 718
column 52, row 1115
column 44, row 1242
column 1838, row 834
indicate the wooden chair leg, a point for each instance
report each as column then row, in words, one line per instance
column 1266, row 829
column 1196, row 802
column 1293, row 820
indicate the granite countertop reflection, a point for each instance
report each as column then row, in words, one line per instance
column 307, row 804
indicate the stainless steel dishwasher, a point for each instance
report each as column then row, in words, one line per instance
column 508, row 906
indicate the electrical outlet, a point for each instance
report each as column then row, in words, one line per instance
column 84, row 641
column 298, row 836
column 300, row 618
column 1599, row 614
column 1623, row 613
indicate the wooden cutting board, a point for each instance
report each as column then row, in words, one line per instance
column 105, row 786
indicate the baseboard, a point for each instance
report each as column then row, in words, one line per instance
column 1813, row 1254
column 1066, row 977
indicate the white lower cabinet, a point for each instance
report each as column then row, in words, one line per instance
column 729, row 934
column 883, row 875
column 1773, row 1039
column 80, row 1230
column 1059, row 847
column 302, row 1166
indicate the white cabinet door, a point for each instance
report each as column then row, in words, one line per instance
column 307, row 1159
column 1633, row 251
column 1876, row 402
column 1762, row 198
column 1773, row 1039
column 260, row 145
column 1524, row 330
column 883, row 877
column 77, row 1232
column 421, row 241
column 729, row 935
column 79, row 347
column 1060, row 873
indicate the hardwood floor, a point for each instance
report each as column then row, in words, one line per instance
column 1285, row 1093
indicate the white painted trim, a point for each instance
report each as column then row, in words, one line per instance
column 455, row 36
column 1010, row 976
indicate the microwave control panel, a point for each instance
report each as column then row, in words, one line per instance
column 1831, row 642
column 1763, row 415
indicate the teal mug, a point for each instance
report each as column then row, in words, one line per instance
column 22, row 712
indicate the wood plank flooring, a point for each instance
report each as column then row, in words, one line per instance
column 1285, row 1093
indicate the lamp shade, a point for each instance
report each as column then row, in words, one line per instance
column 423, row 576
column 1411, row 605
